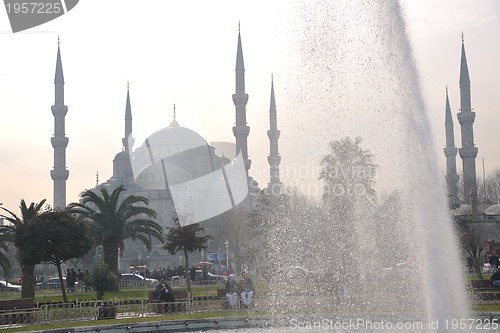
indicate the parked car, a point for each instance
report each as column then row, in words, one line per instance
column 130, row 279
column 6, row 286
column 53, row 283
column 299, row 272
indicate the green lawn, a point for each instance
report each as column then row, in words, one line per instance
column 56, row 295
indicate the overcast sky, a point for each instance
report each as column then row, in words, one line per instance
column 184, row 52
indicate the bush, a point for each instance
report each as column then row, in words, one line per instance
column 101, row 279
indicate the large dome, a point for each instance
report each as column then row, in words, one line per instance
column 165, row 143
column 175, row 136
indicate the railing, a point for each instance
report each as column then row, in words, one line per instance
column 92, row 310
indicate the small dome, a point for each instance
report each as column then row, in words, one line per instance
column 123, row 155
column 493, row 210
column 463, row 210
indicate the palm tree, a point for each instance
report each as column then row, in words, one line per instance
column 15, row 234
column 113, row 220
column 4, row 248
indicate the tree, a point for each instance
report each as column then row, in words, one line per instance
column 185, row 239
column 489, row 188
column 54, row 237
column 113, row 220
column 347, row 172
column 15, row 233
column 101, row 279
column 469, row 237
column 232, row 226
column 4, row 248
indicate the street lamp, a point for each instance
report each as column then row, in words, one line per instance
column 227, row 255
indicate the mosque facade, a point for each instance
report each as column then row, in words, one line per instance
column 194, row 159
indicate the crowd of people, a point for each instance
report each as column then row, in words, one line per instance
column 234, row 289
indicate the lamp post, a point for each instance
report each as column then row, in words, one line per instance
column 227, row 255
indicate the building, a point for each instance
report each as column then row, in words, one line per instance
column 190, row 158
column 483, row 217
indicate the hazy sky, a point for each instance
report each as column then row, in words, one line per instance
column 184, row 52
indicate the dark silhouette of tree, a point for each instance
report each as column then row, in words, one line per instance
column 113, row 220
column 101, row 279
column 489, row 188
column 469, row 237
column 15, row 232
column 4, row 248
column 347, row 172
column 186, row 240
column 55, row 237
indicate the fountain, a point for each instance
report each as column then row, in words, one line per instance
column 367, row 262
column 350, row 72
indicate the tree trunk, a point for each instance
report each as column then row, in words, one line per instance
column 28, row 281
column 111, row 259
column 63, row 286
column 99, row 294
column 186, row 273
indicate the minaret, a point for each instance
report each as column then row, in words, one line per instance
column 450, row 151
column 274, row 159
column 128, row 123
column 122, row 167
column 240, row 99
column 59, row 141
column 468, row 152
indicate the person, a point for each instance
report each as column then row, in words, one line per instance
column 71, row 282
column 494, row 261
column 81, row 277
column 205, row 273
column 86, row 273
column 495, row 279
column 192, row 273
column 169, row 273
column 163, row 292
column 246, row 289
column 231, row 291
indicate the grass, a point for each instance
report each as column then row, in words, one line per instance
column 56, row 295
column 486, row 307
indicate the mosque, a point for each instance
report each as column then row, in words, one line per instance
column 484, row 217
column 195, row 159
